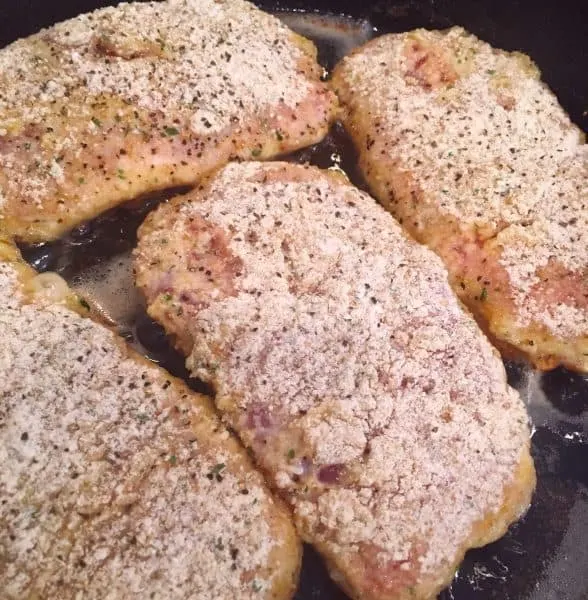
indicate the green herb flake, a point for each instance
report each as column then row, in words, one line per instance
column 291, row 454
column 97, row 122
column 445, row 191
column 279, row 135
column 167, row 297
column 484, row 294
column 81, row 180
column 84, row 304
column 120, row 174
column 490, row 71
column 142, row 417
column 256, row 152
column 256, row 585
column 219, row 544
column 218, row 468
column 171, row 131
column 27, row 146
column 173, row 460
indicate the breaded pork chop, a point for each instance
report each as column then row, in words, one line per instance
column 129, row 99
column 341, row 356
column 472, row 153
column 117, row 481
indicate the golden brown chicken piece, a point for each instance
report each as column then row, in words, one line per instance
column 117, row 481
column 472, row 153
column 143, row 96
column 341, row 356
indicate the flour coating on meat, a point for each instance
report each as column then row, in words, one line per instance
column 340, row 354
column 472, row 152
column 128, row 99
column 117, row 481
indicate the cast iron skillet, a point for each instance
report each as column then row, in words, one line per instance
column 545, row 555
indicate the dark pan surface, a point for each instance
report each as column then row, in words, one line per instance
column 545, row 555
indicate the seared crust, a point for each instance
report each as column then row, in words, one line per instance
column 474, row 156
column 341, row 356
column 117, row 480
column 143, row 96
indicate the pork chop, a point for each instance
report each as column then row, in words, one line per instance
column 472, row 153
column 341, row 356
column 117, row 481
column 143, row 96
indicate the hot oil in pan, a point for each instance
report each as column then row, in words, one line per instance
column 544, row 556
column 334, row 36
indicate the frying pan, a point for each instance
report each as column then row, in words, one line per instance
column 545, row 555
